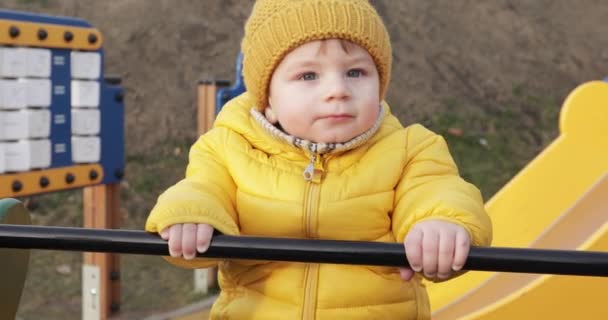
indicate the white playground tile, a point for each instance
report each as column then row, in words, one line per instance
column 13, row 94
column 85, row 94
column 23, row 124
column 12, row 62
column 38, row 92
column 25, row 155
column 86, row 121
column 86, row 149
column 40, row 153
column 13, row 125
column 37, row 62
column 85, row 65
column 2, row 158
column 38, row 123
column 17, row 156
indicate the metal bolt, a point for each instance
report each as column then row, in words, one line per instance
column 44, row 182
column 42, row 34
column 119, row 173
column 92, row 38
column 93, row 174
column 68, row 36
column 69, row 178
column 13, row 31
column 17, row 186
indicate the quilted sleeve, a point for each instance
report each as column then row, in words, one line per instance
column 431, row 188
column 205, row 195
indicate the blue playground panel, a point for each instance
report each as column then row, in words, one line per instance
column 63, row 36
column 225, row 94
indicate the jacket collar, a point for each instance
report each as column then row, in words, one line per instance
column 316, row 148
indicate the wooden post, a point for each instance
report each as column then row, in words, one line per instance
column 101, row 271
column 206, row 105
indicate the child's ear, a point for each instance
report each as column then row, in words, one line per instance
column 270, row 115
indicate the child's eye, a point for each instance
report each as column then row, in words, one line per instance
column 354, row 73
column 308, row 76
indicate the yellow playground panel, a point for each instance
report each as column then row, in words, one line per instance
column 558, row 201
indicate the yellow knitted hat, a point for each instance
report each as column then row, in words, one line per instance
column 275, row 27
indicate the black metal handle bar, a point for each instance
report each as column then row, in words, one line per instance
column 584, row 263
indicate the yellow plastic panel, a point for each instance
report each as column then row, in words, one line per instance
column 30, row 182
column 556, row 297
column 584, row 221
column 548, row 186
column 28, row 36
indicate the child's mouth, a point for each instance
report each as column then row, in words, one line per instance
column 337, row 117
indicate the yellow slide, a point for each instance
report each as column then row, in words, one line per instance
column 560, row 200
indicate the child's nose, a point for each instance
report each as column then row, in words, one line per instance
column 338, row 88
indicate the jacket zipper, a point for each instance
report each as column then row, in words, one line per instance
column 311, row 207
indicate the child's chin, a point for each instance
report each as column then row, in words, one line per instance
column 337, row 138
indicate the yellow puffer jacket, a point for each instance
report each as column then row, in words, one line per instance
column 243, row 181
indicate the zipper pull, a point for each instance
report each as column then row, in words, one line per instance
column 309, row 171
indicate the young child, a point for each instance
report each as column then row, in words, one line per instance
column 312, row 151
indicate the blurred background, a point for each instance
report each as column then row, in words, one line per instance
column 488, row 75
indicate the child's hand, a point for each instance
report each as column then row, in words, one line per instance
column 188, row 238
column 437, row 248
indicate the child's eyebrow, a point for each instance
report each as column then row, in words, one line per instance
column 348, row 59
column 360, row 58
column 301, row 64
column 310, row 63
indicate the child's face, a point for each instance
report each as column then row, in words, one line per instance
column 326, row 91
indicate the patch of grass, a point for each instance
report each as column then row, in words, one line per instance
column 148, row 173
column 492, row 143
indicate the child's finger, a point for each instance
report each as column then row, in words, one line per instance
column 430, row 251
column 446, row 254
column 175, row 240
column 413, row 249
column 165, row 234
column 461, row 250
column 406, row 274
column 203, row 237
column 189, row 241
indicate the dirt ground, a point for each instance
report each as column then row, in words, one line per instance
column 464, row 56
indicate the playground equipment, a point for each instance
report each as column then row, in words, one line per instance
column 561, row 195
column 513, row 260
column 57, row 113
column 61, row 127
column 564, row 188
column 256, row 248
